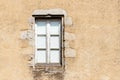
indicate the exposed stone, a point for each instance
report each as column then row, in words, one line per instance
column 48, row 76
column 72, row 44
column 50, row 12
column 23, row 35
column 31, row 20
column 70, row 52
column 28, row 34
column 31, row 42
column 68, row 21
column 67, row 44
column 30, row 60
column 69, row 36
column 30, row 63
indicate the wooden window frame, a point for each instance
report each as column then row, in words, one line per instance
column 62, row 58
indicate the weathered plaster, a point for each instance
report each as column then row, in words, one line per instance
column 97, row 42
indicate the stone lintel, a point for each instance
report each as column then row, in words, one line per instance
column 49, row 12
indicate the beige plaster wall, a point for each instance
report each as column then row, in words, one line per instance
column 97, row 29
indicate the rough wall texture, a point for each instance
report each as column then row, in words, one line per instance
column 96, row 25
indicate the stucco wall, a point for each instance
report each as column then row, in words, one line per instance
column 95, row 24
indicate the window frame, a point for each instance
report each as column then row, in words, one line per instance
column 62, row 59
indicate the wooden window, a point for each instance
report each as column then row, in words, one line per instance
column 48, row 41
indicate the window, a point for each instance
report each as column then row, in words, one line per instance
column 48, row 41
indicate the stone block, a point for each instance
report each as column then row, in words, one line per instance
column 31, row 60
column 68, row 21
column 67, row 44
column 31, row 20
column 32, row 43
column 69, row 36
column 49, row 12
column 30, row 63
column 23, row 35
column 70, row 52
column 28, row 35
column 72, row 44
